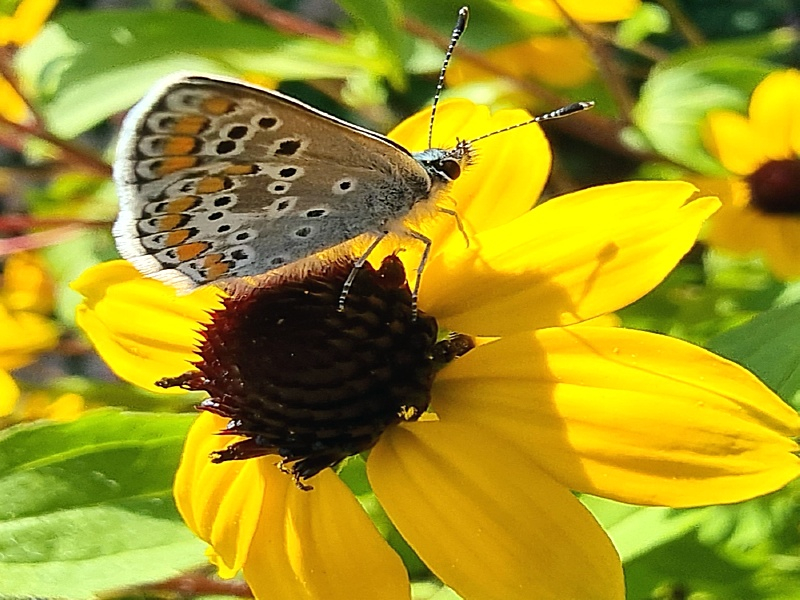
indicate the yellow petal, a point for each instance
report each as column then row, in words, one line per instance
column 486, row 520
column 9, row 393
column 26, row 22
column 581, row 10
column 291, row 543
column 627, row 415
column 484, row 196
column 24, row 335
column 26, row 284
column 320, row 545
column 775, row 113
column 40, row 405
column 568, row 260
column 143, row 330
column 734, row 141
column 782, row 245
column 221, row 503
column 558, row 60
column 12, row 106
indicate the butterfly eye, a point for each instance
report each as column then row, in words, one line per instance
column 450, row 168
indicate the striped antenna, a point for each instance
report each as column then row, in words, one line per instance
column 461, row 25
column 564, row 111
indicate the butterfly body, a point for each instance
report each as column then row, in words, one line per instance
column 219, row 179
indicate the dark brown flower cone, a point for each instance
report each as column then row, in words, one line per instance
column 298, row 378
column 775, row 187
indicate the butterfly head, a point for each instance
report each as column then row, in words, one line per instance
column 444, row 166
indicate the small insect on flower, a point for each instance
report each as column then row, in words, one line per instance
column 219, row 179
column 300, row 379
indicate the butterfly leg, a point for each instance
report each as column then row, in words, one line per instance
column 420, row 268
column 362, row 260
column 459, row 222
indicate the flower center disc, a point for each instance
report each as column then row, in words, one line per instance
column 775, row 187
column 298, row 378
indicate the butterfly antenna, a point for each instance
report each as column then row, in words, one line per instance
column 461, row 25
column 564, row 111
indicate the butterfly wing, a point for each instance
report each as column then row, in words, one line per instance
column 221, row 179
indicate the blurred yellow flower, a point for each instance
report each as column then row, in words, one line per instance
column 12, row 106
column 9, row 393
column 26, row 284
column 581, row 10
column 543, row 408
column 18, row 29
column 760, row 212
column 41, row 405
column 26, row 330
column 28, row 18
column 561, row 60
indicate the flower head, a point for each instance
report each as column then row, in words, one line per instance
column 761, row 200
column 25, row 295
column 290, row 372
column 542, row 405
column 18, row 29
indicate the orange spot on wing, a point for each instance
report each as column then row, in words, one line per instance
column 181, row 204
column 190, row 251
column 175, row 163
column 190, row 125
column 210, row 185
column 170, row 222
column 178, row 237
column 180, row 145
column 241, row 170
column 217, row 105
column 214, row 265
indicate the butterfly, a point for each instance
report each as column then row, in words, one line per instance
column 220, row 179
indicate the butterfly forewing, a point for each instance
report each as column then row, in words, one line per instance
column 220, row 179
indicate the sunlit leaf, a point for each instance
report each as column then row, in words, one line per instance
column 87, row 505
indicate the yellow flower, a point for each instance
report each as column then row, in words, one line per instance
column 760, row 213
column 558, row 60
column 12, row 106
column 26, row 292
column 481, row 489
column 41, row 405
column 26, row 332
column 142, row 329
column 29, row 17
column 18, row 29
column 580, row 10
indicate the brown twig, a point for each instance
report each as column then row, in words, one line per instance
column 79, row 155
column 7, row 71
column 42, row 239
column 643, row 49
column 198, row 584
column 684, row 25
column 285, row 21
column 611, row 73
column 22, row 223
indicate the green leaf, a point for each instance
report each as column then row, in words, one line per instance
column 647, row 20
column 86, row 66
column 675, row 100
column 685, row 568
column 768, row 346
column 384, row 19
column 87, row 505
column 637, row 530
